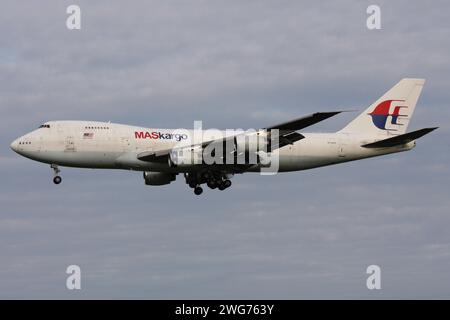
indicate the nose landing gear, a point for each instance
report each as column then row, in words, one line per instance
column 57, row 179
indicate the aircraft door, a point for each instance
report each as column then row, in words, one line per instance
column 69, row 144
column 342, row 147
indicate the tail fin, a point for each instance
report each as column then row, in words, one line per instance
column 390, row 114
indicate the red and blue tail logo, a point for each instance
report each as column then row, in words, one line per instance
column 381, row 114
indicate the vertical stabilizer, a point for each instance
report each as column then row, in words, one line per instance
column 390, row 114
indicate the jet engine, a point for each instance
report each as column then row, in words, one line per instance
column 158, row 178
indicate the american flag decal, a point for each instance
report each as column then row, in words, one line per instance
column 88, row 135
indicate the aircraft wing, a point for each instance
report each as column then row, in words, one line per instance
column 286, row 135
column 303, row 122
column 154, row 156
column 287, row 130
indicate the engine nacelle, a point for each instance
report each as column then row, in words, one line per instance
column 158, row 178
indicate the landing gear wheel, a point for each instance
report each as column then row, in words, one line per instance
column 57, row 179
column 222, row 186
column 227, row 183
column 206, row 175
column 211, row 184
column 192, row 185
column 198, row 190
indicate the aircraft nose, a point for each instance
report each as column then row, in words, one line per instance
column 15, row 145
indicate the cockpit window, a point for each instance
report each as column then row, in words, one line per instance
column 44, row 126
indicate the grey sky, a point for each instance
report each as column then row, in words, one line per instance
column 231, row 64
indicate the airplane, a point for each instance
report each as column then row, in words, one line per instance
column 162, row 154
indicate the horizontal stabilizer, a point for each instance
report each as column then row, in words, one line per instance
column 400, row 139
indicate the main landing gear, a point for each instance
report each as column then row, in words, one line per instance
column 214, row 180
column 198, row 190
column 56, row 179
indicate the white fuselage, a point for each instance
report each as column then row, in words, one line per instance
column 88, row 144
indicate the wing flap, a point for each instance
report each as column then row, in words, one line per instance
column 154, row 156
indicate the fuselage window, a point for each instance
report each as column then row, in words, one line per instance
column 98, row 128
